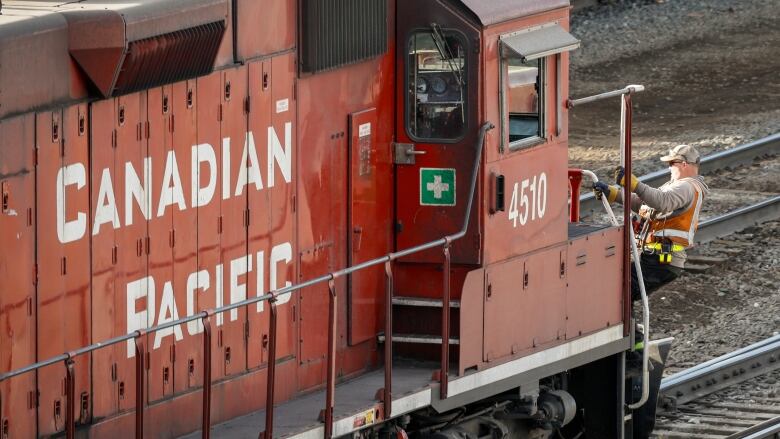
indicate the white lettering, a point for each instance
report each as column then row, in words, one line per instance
column 226, row 168
column 106, row 206
column 69, row 231
column 282, row 252
column 198, row 280
column 171, row 191
column 282, row 157
column 134, row 190
column 251, row 173
column 200, row 154
column 238, row 267
column 141, row 294
column 139, row 289
column 168, row 313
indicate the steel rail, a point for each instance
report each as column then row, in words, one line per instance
column 740, row 155
column 272, row 296
column 767, row 429
column 720, row 373
column 737, row 220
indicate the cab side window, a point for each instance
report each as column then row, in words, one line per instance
column 524, row 57
column 523, row 101
column 436, row 85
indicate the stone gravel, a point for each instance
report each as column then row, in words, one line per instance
column 710, row 69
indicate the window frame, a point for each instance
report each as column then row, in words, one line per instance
column 466, row 64
column 541, row 136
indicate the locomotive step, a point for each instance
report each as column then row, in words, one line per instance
column 423, row 301
column 417, row 338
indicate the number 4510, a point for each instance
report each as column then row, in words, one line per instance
column 537, row 187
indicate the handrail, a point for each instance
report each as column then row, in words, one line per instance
column 272, row 297
column 630, row 246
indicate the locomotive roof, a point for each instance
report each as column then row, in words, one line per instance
column 495, row 11
column 41, row 39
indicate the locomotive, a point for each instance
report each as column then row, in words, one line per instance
column 265, row 209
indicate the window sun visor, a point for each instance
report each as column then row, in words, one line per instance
column 538, row 42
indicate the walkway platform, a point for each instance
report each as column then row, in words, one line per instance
column 357, row 406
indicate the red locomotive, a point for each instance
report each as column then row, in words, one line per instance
column 358, row 206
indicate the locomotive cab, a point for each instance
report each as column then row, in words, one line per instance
column 526, row 280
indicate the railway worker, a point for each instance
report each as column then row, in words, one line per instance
column 668, row 215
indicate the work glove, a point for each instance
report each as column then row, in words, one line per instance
column 620, row 178
column 600, row 189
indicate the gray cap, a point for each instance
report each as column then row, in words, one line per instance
column 686, row 153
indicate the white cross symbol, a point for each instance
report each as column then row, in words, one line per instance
column 437, row 186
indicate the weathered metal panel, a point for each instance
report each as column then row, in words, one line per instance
column 535, row 199
column 259, row 234
column 209, row 230
column 594, row 282
column 167, row 198
column 17, row 269
column 132, row 178
column 185, row 223
column 313, row 341
column 236, row 265
column 104, row 126
column 281, row 155
column 63, row 254
column 276, row 18
column 525, row 302
column 369, row 223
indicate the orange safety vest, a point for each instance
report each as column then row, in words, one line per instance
column 678, row 226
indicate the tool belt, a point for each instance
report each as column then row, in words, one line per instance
column 664, row 250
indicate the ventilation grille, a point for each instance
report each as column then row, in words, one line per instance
column 339, row 32
column 170, row 57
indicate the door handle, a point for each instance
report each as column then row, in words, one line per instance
column 404, row 153
column 358, row 238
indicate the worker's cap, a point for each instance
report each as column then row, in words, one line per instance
column 686, row 153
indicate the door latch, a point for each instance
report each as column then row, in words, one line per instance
column 405, row 153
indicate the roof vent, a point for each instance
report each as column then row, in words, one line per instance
column 139, row 49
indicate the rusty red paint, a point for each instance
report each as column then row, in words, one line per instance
column 17, row 299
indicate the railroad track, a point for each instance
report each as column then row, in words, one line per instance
column 694, row 409
column 738, row 156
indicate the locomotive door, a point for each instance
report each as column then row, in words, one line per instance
column 436, row 127
column 369, row 222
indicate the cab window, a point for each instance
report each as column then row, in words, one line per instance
column 436, row 85
column 522, row 85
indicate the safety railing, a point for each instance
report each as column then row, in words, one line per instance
column 272, row 297
column 625, row 160
column 629, row 244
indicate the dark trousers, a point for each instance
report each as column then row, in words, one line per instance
column 654, row 273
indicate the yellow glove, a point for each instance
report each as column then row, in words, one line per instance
column 620, row 178
column 601, row 188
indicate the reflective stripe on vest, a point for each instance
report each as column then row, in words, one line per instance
column 680, row 228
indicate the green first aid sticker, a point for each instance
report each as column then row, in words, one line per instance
column 437, row 187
